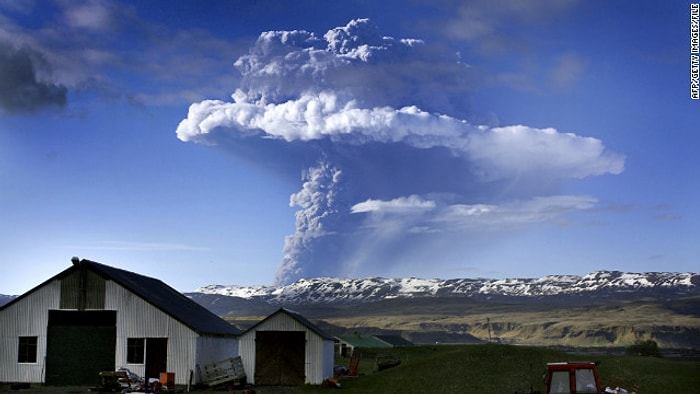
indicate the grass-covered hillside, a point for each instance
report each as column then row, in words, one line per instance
column 672, row 324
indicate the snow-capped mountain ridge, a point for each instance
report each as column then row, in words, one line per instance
column 342, row 290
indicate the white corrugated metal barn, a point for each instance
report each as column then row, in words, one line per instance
column 286, row 349
column 92, row 317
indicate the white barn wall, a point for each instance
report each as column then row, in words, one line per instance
column 316, row 358
column 27, row 317
column 246, row 346
column 328, row 351
column 211, row 349
column 136, row 318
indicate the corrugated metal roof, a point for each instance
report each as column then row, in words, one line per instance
column 394, row 340
column 364, row 342
column 168, row 300
column 157, row 293
column 298, row 317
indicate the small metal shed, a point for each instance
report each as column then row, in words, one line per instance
column 286, row 349
column 347, row 344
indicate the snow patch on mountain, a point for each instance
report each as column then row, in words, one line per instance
column 343, row 290
column 5, row 299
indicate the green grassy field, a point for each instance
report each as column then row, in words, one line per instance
column 495, row 368
column 489, row 368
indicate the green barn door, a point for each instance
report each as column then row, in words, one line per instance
column 80, row 344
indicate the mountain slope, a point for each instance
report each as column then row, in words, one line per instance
column 354, row 291
column 602, row 309
column 4, row 299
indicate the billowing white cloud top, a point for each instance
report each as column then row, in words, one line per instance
column 389, row 115
column 495, row 152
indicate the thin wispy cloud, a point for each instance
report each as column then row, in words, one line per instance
column 90, row 15
column 130, row 246
column 493, row 27
column 399, row 205
column 567, row 71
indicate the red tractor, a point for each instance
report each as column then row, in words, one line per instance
column 572, row 378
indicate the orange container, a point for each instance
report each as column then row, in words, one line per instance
column 167, row 379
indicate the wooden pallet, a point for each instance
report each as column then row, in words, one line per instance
column 225, row 372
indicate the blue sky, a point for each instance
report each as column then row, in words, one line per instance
column 257, row 142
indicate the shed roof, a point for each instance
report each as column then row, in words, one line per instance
column 296, row 316
column 394, row 340
column 365, row 342
column 158, row 294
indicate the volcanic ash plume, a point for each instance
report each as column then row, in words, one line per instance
column 314, row 221
column 391, row 164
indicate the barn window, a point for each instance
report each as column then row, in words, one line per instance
column 135, row 349
column 27, row 350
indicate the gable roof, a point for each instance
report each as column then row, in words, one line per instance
column 394, row 340
column 156, row 293
column 364, row 342
column 296, row 316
